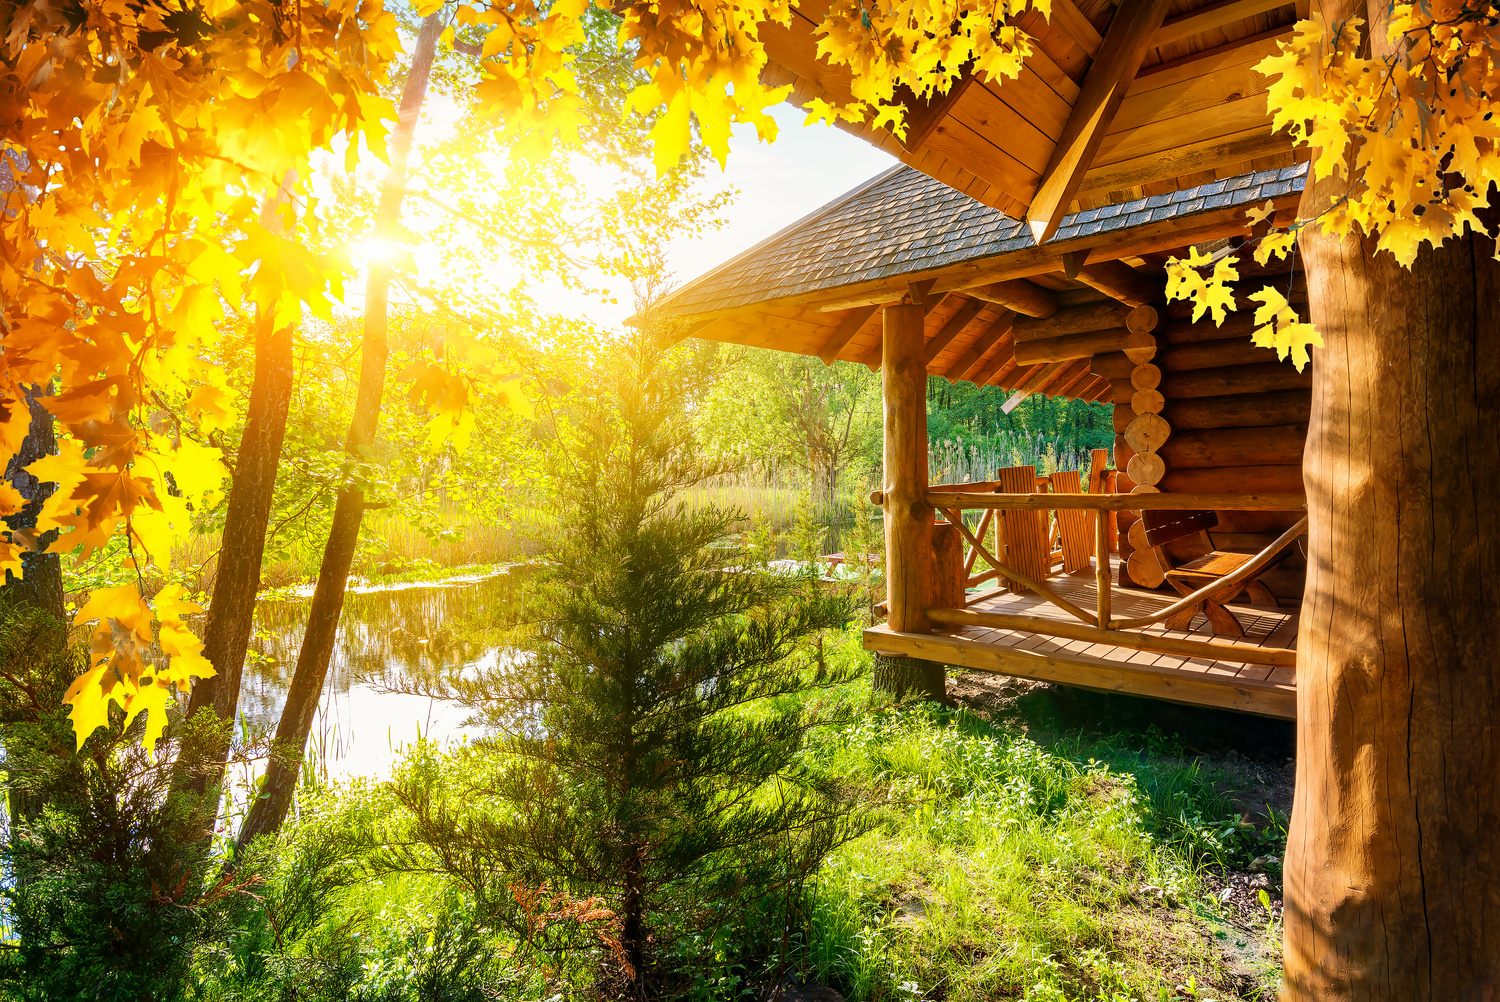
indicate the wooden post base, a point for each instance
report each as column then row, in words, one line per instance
column 902, row 677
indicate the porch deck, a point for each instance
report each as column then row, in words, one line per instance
column 1250, row 688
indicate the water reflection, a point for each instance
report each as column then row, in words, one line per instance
column 386, row 633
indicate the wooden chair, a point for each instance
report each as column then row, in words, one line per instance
column 1023, row 533
column 1074, row 527
column 1163, row 527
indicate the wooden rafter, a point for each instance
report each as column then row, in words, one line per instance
column 997, row 368
column 1121, row 282
column 966, row 312
column 983, row 343
column 845, row 331
column 1119, row 58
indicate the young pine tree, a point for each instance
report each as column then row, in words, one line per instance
column 648, row 725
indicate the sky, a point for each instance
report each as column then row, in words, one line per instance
column 778, row 183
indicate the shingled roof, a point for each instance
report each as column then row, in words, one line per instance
column 904, row 221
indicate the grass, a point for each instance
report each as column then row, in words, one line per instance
column 1020, row 858
column 1018, row 871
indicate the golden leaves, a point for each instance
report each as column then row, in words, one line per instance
column 125, row 670
column 1211, row 293
column 1413, row 131
column 921, row 47
column 1282, row 329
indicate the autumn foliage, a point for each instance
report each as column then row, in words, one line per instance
column 1405, row 119
column 156, row 164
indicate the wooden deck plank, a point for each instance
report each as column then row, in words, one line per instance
column 1264, row 698
column 1098, row 665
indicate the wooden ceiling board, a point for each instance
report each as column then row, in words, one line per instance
column 957, row 142
column 1083, row 31
column 991, row 115
column 1236, row 153
column 1158, row 98
column 1206, row 125
column 1061, row 48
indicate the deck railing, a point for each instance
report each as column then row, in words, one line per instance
column 1099, row 625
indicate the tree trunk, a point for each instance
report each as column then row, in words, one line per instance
column 1393, row 860
column 231, row 611
column 40, row 584
column 267, row 812
column 633, row 925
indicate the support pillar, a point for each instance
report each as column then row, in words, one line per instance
column 908, row 518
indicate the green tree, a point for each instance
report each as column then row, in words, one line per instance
column 646, row 734
column 824, row 420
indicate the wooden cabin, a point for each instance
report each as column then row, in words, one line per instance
column 1176, row 573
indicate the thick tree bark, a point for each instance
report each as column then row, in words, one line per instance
column 267, row 813
column 1393, row 862
column 231, row 611
column 40, row 584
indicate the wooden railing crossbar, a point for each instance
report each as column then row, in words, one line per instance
column 1100, row 626
column 1025, row 582
column 1114, row 502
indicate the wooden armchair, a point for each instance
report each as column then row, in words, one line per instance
column 1163, row 527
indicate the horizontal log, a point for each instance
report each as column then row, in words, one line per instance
column 1123, row 415
column 1187, row 357
column 1096, row 316
column 1279, row 445
column 1264, row 377
column 1071, row 346
column 1177, row 501
column 1213, row 355
column 1118, row 280
column 1241, row 410
column 1157, row 643
column 1019, row 296
column 1279, row 481
column 1274, row 522
column 1121, row 390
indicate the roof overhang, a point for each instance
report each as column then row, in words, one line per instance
column 1114, row 103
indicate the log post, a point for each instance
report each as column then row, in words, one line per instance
column 908, row 516
column 1393, row 857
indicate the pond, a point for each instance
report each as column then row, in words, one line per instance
column 387, row 633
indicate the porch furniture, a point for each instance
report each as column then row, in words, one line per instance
column 1163, row 527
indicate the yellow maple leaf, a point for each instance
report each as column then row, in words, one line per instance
column 1277, row 244
column 90, row 704
column 1280, row 328
column 124, row 605
column 210, row 406
column 1256, row 216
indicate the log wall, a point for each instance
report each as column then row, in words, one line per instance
column 1239, row 424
